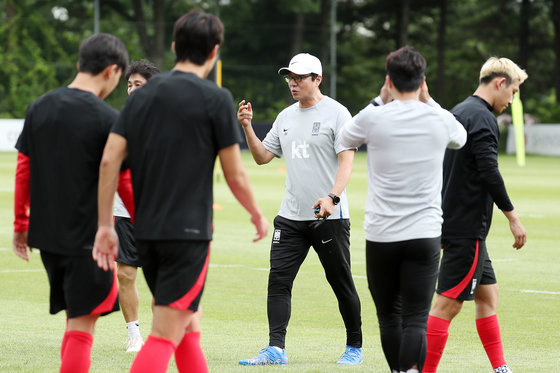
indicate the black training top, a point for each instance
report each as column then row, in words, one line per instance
column 471, row 179
column 174, row 127
column 64, row 134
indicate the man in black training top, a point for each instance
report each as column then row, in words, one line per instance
column 60, row 150
column 472, row 183
column 172, row 129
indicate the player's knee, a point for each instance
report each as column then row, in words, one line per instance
column 126, row 275
column 446, row 308
column 487, row 297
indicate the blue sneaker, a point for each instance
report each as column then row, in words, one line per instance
column 268, row 356
column 352, row 356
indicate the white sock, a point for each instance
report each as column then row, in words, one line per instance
column 133, row 329
column 412, row 371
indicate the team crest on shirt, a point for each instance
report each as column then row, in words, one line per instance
column 276, row 238
column 316, row 128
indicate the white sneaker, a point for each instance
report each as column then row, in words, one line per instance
column 503, row 369
column 134, row 344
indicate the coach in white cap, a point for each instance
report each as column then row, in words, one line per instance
column 314, row 211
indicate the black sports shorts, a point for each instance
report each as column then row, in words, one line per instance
column 175, row 271
column 465, row 265
column 128, row 254
column 79, row 285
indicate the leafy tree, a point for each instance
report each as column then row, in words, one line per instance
column 38, row 48
column 32, row 58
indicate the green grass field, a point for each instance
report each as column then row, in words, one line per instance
column 234, row 302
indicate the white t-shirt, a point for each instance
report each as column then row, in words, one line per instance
column 306, row 137
column 406, row 142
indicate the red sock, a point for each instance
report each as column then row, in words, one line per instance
column 76, row 355
column 489, row 333
column 154, row 356
column 63, row 345
column 436, row 334
column 64, row 341
column 189, row 356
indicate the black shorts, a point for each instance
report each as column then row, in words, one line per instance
column 79, row 286
column 465, row 265
column 175, row 271
column 127, row 245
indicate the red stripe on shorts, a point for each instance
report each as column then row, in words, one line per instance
column 458, row 289
column 109, row 302
column 185, row 301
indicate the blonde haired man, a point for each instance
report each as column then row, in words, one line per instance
column 472, row 183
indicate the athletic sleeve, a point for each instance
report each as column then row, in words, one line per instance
column 343, row 116
column 125, row 192
column 22, row 142
column 484, row 145
column 119, row 123
column 354, row 131
column 21, row 194
column 457, row 133
column 271, row 141
column 222, row 114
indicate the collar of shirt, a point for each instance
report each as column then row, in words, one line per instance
column 488, row 106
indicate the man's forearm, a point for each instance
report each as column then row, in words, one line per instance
column 259, row 152
column 345, row 166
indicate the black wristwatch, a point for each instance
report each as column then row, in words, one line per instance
column 335, row 198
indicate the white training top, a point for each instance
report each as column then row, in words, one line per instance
column 406, row 142
column 306, row 137
column 119, row 209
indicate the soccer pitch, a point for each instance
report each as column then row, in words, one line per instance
column 234, row 302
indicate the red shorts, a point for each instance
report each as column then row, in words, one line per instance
column 175, row 271
column 79, row 286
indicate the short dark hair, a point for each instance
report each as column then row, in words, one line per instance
column 488, row 78
column 406, row 68
column 195, row 34
column 142, row 67
column 101, row 50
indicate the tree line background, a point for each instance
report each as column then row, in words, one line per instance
column 39, row 40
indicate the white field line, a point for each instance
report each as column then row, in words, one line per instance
column 541, row 292
column 21, row 270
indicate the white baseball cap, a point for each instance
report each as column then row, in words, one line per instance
column 302, row 64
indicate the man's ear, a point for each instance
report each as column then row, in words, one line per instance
column 499, row 81
column 173, row 46
column 110, row 70
column 214, row 52
column 389, row 82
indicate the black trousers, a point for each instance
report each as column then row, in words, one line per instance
column 402, row 279
column 290, row 244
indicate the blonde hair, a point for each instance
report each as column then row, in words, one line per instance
column 501, row 67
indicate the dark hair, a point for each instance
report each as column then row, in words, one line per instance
column 488, row 78
column 102, row 50
column 195, row 34
column 142, row 67
column 406, row 68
